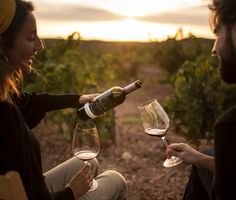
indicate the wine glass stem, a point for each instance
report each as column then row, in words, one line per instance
column 86, row 162
column 164, row 140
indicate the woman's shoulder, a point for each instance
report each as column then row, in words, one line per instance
column 4, row 105
column 11, row 120
column 7, row 109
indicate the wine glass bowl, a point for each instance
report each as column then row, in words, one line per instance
column 85, row 143
column 156, row 122
column 154, row 119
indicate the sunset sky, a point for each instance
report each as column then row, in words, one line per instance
column 122, row 20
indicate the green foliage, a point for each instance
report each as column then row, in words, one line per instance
column 200, row 96
column 172, row 53
column 123, row 58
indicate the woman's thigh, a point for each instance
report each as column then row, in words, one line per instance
column 57, row 178
column 111, row 186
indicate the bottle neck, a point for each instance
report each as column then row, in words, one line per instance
column 133, row 86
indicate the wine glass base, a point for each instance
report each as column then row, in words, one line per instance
column 171, row 162
column 94, row 185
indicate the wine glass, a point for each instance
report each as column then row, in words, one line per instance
column 156, row 123
column 86, row 144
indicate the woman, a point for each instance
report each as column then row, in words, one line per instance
column 20, row 112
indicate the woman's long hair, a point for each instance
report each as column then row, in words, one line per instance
column 10, row 80
column 10, row 76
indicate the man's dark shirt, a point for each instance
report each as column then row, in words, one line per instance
column 225, row 156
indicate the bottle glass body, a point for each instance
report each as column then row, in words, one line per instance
column 106, row 101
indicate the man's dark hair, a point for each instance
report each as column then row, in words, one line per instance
column 224, row 12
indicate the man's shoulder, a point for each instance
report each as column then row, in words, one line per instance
column 228, row 117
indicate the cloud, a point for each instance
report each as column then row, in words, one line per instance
column 73, row 12
column 196, row 16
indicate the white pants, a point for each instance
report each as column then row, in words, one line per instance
column 111, row 184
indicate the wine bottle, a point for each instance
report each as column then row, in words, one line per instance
column 106, row 101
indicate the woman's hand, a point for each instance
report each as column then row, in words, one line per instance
column 88, row 98
column 190, row 155
column 81, row 182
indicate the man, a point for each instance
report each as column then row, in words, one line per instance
column 222, row 165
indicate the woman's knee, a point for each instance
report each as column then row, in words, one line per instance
column 118, row 178
column 121, row 182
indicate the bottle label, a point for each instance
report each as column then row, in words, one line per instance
column 88, row 111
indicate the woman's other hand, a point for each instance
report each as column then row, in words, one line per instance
column 81, row 182
column 88, row 98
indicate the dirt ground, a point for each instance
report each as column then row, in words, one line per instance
column 136, row 155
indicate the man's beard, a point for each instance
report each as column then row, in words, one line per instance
column 227, row 62
column 228, row 69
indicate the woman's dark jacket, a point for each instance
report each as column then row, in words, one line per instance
column 19, row 148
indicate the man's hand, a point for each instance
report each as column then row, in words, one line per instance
column 183, row 151
column 190, row 155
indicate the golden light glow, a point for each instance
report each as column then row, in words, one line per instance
column 126, row 30
column 144, row 10
column 131, row 29
column 133, row 8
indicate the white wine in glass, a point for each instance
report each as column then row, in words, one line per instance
column 86, row 144
column 156, row 123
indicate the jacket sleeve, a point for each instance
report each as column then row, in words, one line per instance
column 35, row 106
